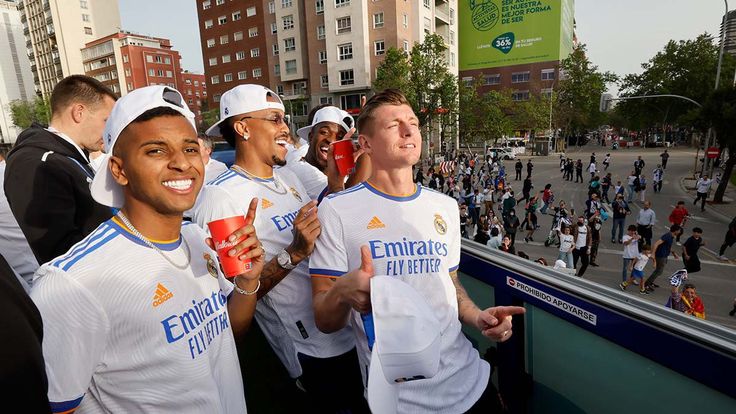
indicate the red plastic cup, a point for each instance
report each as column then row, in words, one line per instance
column 220, row 230
column 343, row 151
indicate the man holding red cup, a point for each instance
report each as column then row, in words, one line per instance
column 137, row 316
column 326, row 365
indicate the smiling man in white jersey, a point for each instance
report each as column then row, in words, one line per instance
column 390, row 226
column 252, row 121
column 137, row 316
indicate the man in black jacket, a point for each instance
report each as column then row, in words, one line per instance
column 48, row 174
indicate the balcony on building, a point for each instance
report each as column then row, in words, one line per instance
column 46, row 5
column 51, row 31
column 20, row 6
column 442, row 12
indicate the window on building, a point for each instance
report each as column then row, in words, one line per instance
column 277, row 69
column 350, row 101
column 286, row 3
column 255, row 52
column 216, row 97
column 405, row 20
column 158, row 58
column 151, row 72
column 452, row 16
column 225, row 58
column 250, row 11
column 167, row 60
column 288, row 22
column 222, row 20
column 519, row 77
column 520, row 96
column 275, row 49
column 468, row 81
column 271, row 7
column 546, row 92
column 206, row 5
column 319, row 6
column 290, row 66
column 215, row 79
column 210, row 42
column 160, row 73
column 343, row 25
column 127, row 72
column 341, row 3
column 228, row 77
column 85, row 18
column 322, row 57
column 223, row 39
column 208, row 24
column 379, row 47
column 493, row 79
column 125, row 58
column 452, row 58
column 240, row 55
column 324, row 81
column 299, row 88
column 405, row 45
column 188, row 81
column 196, row 83
column 236, row 16
column 325, row 100
column 253, row 32
column 345, row 51
column 237, row 36
column 87, row 30
column 427, row 4
column 257, row 73
column 149, row 58
column 347, row 77
column 220, row 2
column 190, row 101
column 83, row 4
column 378, row 20
column 243, row 74
column 169, row 74
column 320, row 32
column 548, row 74
column 289, row 45
column 130, row 86
column 280, row 89
column 427, row 25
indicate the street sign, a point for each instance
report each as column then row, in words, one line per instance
column 712, row 152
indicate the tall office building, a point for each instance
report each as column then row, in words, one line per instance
column 729, row 25
column 16, row 78
column 314, row 51
column 57, row 30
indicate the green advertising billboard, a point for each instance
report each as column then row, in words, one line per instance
column 497, row 33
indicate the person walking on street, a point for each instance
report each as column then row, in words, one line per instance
column 702, row 187
column 631, row 250
column 567, row 246
column 529, row 167
column 579, row 171
column 631, row 183
column 662, row 249
column 690, row 250
column 592, row 169
column 657, row 177
column 517, row 168
column 548, row 197
column 679, row 216
column 638, row 165
column 620, row 210
column 664, row 156
column 637, row 271
column 645, row 222
column 605, row 186
column 642, row 187
column 583, row 240
column 508, row 202
column 569, row 167
column 606, row 162
column 531, row 219
column 728, row 240
column 595, row 223
column 526, row 189
column 511, row 225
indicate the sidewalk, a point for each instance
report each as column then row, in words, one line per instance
column 727, row 210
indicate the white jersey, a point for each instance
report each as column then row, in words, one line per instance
column 313, row 180
column 416, row 239
column 641, row 261
column 125, row 331
column 285, row 314
column 13, row 244
column 213, row 169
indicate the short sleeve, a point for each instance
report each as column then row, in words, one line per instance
column 75, row 329
column 329, row 258
column 215, row 203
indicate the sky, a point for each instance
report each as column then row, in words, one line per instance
column 620, row 34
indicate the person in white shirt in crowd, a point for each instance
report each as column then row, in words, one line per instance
column 137, row 316
column 657, row 177
column 637, row 272
column 583, row 238
column 642, row 188
column 359, row 225
column 212, row 167
column 631, row 183
column 592, row 169
column 567, row 242
column 252, row 121
column 631, row 250
column 702, row 187
column 13, row 244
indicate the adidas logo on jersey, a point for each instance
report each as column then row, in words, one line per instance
column 265, row 203
column 162, row 295
column 375, row 223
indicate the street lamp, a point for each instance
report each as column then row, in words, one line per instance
column 706, row 160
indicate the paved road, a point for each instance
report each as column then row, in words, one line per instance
column 716, row 282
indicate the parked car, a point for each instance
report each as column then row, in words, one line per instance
column 504, row 153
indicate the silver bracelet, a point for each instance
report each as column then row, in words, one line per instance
column 245, row 292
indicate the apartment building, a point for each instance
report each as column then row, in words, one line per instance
column 314, row 51
column 16, row 78
column 729, row 26
column 125, row 61
column 57, row 30
column 194, row 89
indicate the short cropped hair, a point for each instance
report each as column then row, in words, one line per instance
column 386, row 97
column 79, row 88
column 207, row 142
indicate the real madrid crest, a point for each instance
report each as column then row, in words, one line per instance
column 295, row 194
column 211, row 265
column 439, row 224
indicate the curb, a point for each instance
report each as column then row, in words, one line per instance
column 713, row 208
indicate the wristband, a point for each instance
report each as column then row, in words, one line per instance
column 245, row 292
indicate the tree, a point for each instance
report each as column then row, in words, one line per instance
column 24, row 113
column 719, row 110
column 393, row 72
column 578, row 92
column 484, row 117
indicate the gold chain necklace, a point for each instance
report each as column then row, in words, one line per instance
column 279, row 188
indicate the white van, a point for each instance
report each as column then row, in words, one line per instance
column 503, row 153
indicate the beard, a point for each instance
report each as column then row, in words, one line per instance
column 278, row 161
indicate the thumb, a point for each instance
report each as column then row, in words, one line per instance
column 366, row 261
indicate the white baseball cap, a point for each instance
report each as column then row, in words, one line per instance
column 327, row 114
column 243, row 99
column 105, row 190
column 407, row 341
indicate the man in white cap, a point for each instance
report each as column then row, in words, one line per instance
column 252, row 121
column 388, row 225
column 137, row 316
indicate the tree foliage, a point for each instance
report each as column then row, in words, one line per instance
column 719, row 110
column 484, row 117
column 24, row 113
